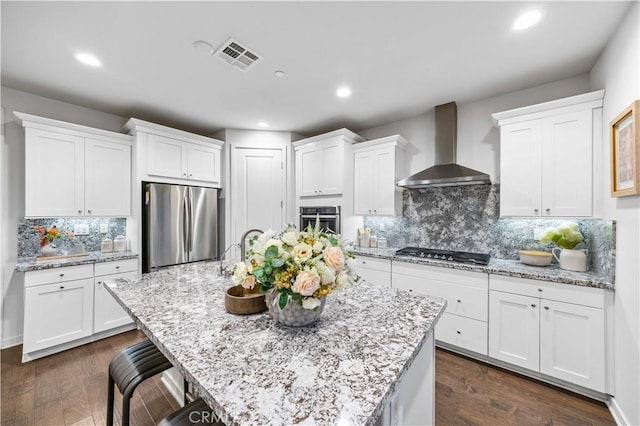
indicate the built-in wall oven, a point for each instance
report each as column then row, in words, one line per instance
column 329, row 217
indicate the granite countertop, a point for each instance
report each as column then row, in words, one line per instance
column 512, row 268
column 249, row 370
column 31, row 264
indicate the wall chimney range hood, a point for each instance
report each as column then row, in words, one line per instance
column 445, row 172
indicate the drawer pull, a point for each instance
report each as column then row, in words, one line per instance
column 546, row 307
column 459, row 301
column 533, row 305
column 61, row 287
column 540, row 290
column 62, row 275
column 99, row 283
column 117, row 267
column 79, row 211
column 458, row 331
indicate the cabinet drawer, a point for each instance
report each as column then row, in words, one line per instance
column 587, row 296
column 463, row 332
column 448, row 275
column 116, row 267
column 461, row 300
column 57, row 275
column 364, row 262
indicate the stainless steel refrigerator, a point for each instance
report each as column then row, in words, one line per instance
column 180, row 225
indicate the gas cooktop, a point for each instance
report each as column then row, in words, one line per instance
column 452, row 256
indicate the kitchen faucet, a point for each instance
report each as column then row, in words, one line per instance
column 222, row 256
column 243, row 242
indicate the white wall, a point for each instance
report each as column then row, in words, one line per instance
column 13, row 189
column 618, row 72
column 478, row 140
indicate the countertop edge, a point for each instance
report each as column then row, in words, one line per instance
column 31, row 264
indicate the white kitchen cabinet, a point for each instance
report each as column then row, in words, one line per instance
column 464, row 323
column 554, row 329
column 546, row 155
column 175, row 156
column 108, row 314
column 378, row 164
column 320, row 163
column 58, row 307
column 73, row 170
column 374, row 270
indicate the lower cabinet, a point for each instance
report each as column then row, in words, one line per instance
column 464, row 323
column 67, row 307
column 374, row 270
column 550, row 328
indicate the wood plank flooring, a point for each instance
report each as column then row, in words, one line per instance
column 70, row 388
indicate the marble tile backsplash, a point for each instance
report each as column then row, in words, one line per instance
column 467, row 218
column 29, row 242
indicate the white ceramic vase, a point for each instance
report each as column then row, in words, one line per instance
column 49, row 249
column 571, row 260
column 293, row 314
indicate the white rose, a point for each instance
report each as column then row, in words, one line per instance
column 318, row 246
column 327, row 274
column 273, row 242
column 290, row 238
column 302, row 252
column 239, row 273
column 342, row 280
column 310, row 303
column 334, row 257
column 306, row 283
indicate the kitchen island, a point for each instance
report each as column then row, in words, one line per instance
column 368, row 360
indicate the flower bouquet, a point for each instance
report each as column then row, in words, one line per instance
column 296, row 267
column 566, row 235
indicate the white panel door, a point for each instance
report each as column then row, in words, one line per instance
column 257, row 190
column 331, row 167
column 520, row 170
column 107, row 178
column 167, row 157
column 308, row 169
column 57, row 313
column 514, row 329
column 567, row 164
column 203, row 163
column 572, row 343
column 54, row 174
column 363, row 176
column 107, row 312
column 384, row 188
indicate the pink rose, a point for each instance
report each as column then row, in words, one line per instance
column 306, row 283
column 249, row 282
column 334, row 257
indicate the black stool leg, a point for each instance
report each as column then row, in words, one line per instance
column 126, row 406
column 185, row 390
column 110, row 398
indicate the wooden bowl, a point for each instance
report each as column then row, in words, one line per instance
column 238, row 300
column 535, row 258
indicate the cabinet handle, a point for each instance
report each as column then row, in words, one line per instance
column 62, row 275
column 89, row 211
column 540, row 290
column 375, row 211
column 533, row 305
column 369, row 210
column 190, row 174
column 458, row 331
column 548, row 211
column 61, row 287
column 117, row 267
column 459, row 301
column 535, row 211
column 184, row 174
column 410, row 290
column 546, row 307
column 79, row 211
column 99, row 283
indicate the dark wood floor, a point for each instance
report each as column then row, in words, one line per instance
column 70, row 388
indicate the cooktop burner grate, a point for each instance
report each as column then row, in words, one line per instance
column 451, row 256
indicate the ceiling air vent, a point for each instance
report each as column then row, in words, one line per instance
column 237, row 55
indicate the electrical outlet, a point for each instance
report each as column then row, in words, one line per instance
column 81, row 229
column 104, row 228
column 537, row 232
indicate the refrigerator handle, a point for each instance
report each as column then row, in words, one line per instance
column 190, row 218
column 185, row 224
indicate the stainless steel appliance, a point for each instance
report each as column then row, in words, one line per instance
column 451, row 256
column 329, row 217
column 180, row 225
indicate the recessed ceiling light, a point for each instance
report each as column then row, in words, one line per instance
column 88, row 59
column 263, row 124
column 526, row 20
column 279, row 73
column 343, row 92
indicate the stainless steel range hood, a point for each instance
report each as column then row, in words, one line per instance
column 445, row 172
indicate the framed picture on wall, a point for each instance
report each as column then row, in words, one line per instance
column 625, row 152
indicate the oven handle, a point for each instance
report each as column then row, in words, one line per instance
column 321, row 216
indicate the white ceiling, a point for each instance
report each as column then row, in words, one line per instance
column 399, row 58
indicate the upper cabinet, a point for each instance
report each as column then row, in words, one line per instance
column 377, row 166
column 546, row 157
column 321, row 163
column 175, row 155
column 73, row 170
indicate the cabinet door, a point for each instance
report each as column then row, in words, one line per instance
column 567, row 164
column 572, row 343
column 331, row 167
column 107, row 178
column 514, row 329
column 203, row 163
column 108, row 313
column 520, row 169
column 308, row 170
column 57, row 313
column 384, row 186
column 54, row 174
column 364, row 176
column 374, row 270
column 167, row 157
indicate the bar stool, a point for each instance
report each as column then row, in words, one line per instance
column 194, row 413
column 130, row 367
